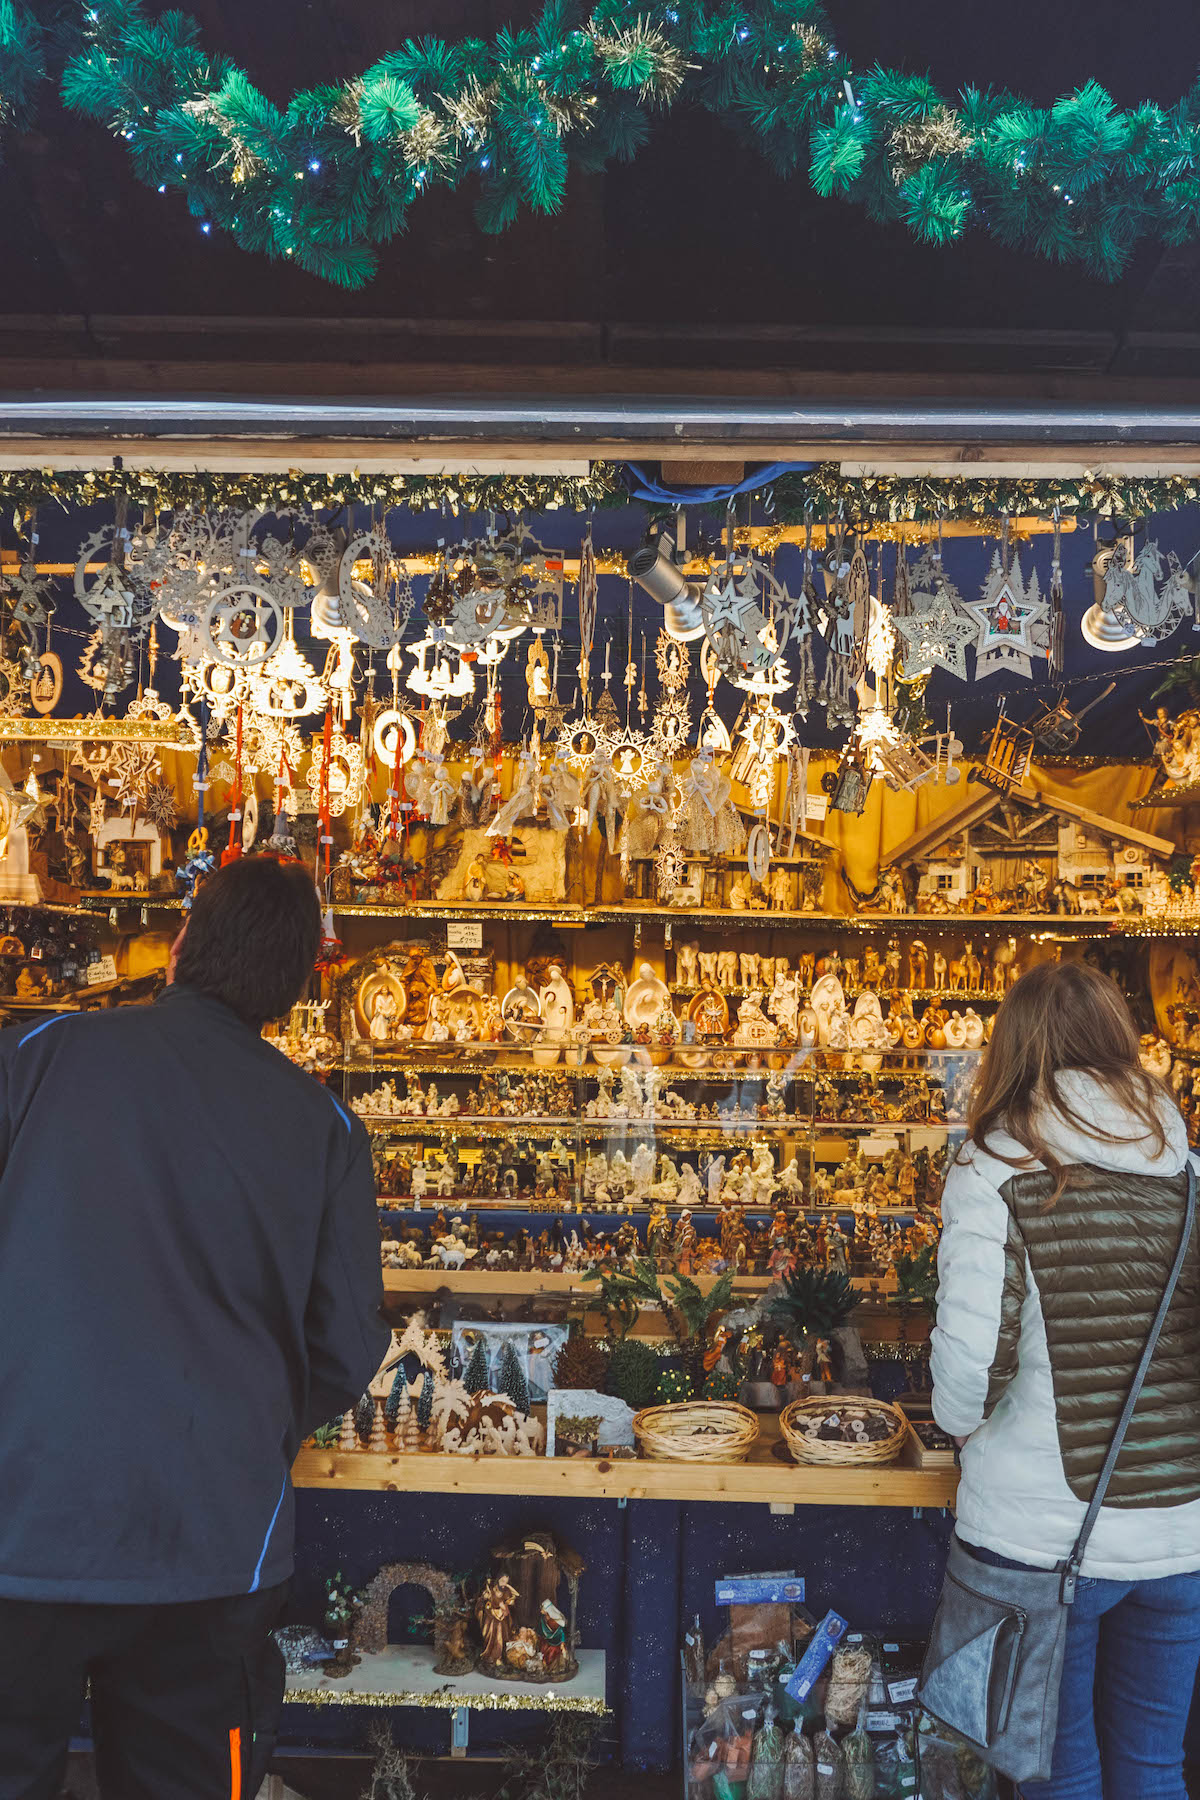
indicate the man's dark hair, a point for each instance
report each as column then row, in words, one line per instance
column 252, row 937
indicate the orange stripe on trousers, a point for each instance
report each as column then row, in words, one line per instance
column 235, row 1763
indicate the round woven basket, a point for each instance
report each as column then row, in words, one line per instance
column 793, row 1419
column 716, row 1431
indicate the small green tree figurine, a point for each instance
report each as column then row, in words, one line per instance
column 476, row 1379
column 425, row 1403
column 512, row 1379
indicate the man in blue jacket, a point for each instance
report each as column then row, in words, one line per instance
column 189, row 1283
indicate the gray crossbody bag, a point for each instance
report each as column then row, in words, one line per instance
column 994, row 1663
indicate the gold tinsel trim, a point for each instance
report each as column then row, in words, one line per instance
column 449, row 1701
column 918, row 141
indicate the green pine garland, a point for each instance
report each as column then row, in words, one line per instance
column 824, row 492
column 328, row 178
column 165, row 490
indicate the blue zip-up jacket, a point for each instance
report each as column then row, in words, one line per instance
column 189, row 1283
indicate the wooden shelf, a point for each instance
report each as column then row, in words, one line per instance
column 568, row 915
column 403, row 1675
column 763, row 1480
column 554, row 1281
column 566, row 1209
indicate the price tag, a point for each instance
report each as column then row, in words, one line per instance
column 816, row 806
column 883, row 1721
column 104, row 970
column 464, row 934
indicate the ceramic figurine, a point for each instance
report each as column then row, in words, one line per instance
column 645, row 997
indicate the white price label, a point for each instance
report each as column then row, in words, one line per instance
column 816, row 806
column 464, row 934
column 104, row 970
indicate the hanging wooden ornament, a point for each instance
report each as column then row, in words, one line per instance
column 1007, row 617
column 45, row 690
column 758, row 852
column 1008, row 757
column 537, row 677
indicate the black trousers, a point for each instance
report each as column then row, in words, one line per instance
column 185, row 1698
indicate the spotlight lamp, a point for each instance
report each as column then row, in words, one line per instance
column 654, row 568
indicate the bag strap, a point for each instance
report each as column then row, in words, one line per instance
column 1070, row 1569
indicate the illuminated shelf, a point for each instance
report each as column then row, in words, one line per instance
column 568, row 915
column 762, row 1480
column 403, row 1675
column 562, row 1209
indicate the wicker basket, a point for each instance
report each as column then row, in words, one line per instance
column 714, row 1431
column 793, row 1418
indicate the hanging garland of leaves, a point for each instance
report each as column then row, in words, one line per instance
column 328, row 178
column 824, row 492
column 165, row 490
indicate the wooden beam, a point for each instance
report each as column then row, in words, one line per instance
column 968, row 813
column 1108, row 827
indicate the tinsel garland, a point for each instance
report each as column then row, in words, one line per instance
column 330, row 176
column 824, row 493
column 164, row 490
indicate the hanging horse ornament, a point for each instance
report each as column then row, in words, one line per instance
column 1133, row 598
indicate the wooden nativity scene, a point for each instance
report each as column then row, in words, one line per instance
column 1020, row 851
column 504, row 1621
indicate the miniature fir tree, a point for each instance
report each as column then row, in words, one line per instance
column 409, row 1437
column 399, row 1387
column 475, row 1379
column 425, row 1403
column 364, row 1416
column 403, row 1414
column 512, row 1379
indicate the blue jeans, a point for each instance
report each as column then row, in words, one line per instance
column 1132, row 1652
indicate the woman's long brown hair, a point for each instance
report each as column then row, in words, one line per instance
column 1059, row 1017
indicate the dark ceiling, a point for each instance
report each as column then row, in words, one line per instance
column 694, row 266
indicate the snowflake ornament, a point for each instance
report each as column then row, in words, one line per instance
column 158, row 804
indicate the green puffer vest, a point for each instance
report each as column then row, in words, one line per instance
column 1100, row 1257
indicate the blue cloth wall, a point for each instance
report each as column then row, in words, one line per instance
column 651, row 1566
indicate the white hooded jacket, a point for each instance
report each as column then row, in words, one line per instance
column 1014, row 1497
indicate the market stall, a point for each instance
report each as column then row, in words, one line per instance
column 674, row 862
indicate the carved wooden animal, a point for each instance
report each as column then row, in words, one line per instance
column 708, row 968
column 957, row 975
column 1089, row 900
column 1066, row 896
column 973, row 967
column 748, row 965
column 804, row 968
column 686, row 956
column 939, row 971
column 727, row 968
column 1004, row 966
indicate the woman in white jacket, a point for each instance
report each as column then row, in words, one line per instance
column 1061, row 1217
